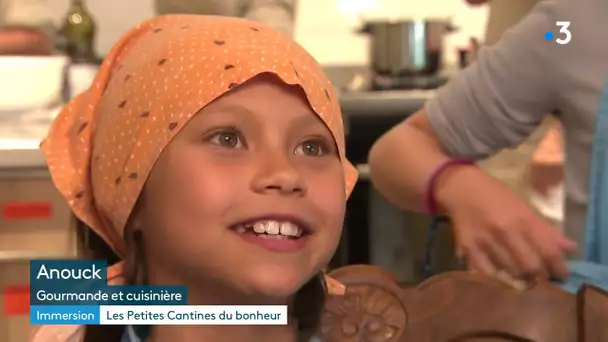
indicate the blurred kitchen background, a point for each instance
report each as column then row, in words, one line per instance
column 319, row 24
column 382, row 76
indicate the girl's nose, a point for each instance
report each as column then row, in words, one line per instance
column 280, row 176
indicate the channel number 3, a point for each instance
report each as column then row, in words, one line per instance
column 564, row 30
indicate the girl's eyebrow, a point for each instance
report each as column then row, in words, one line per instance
column 234, row 109
column 226, row 113
column 307, row 119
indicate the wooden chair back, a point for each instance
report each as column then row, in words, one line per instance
column 459, row 307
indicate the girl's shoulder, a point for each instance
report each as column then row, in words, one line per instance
column 58, row 333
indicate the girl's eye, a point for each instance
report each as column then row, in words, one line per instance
column 312, row 148
column 227, row 139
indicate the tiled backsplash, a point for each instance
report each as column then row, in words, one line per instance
column 325, row 27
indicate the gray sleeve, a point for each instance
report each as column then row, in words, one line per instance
column 502, row 97
column 278, row 14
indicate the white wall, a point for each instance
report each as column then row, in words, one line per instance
column 324, row 27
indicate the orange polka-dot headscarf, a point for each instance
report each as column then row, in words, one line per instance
column 104, row 143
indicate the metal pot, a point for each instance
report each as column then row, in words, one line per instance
column 409, row 47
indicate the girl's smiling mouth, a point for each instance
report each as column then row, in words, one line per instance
column 276, row 233
column 273, row 229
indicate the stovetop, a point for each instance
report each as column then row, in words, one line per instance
column 426, row 82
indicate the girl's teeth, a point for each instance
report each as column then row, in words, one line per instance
column 275, row 229
column 259, row 227
column 290, row 229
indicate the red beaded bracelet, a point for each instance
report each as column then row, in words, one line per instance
column 430, row 201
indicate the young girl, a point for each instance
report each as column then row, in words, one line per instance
column 209, row 151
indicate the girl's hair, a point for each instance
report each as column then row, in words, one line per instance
column 307, row 306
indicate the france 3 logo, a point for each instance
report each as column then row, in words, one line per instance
column 563, row 36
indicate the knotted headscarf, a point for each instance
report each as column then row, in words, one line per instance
column 104, row 143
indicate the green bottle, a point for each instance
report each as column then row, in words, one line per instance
column 78, row 32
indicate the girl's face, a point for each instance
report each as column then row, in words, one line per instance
column 248, row 199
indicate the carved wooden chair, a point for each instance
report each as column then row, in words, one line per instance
column 459, row 307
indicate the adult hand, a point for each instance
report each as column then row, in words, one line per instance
column 496, row 231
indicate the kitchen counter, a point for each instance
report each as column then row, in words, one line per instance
column 21, row 151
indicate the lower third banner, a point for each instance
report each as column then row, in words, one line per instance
column 158, row 315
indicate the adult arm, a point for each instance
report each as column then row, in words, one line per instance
column 495, row 103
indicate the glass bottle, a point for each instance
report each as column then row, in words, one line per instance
column 78, row 32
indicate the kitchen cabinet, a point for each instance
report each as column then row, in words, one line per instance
column 35, row 223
